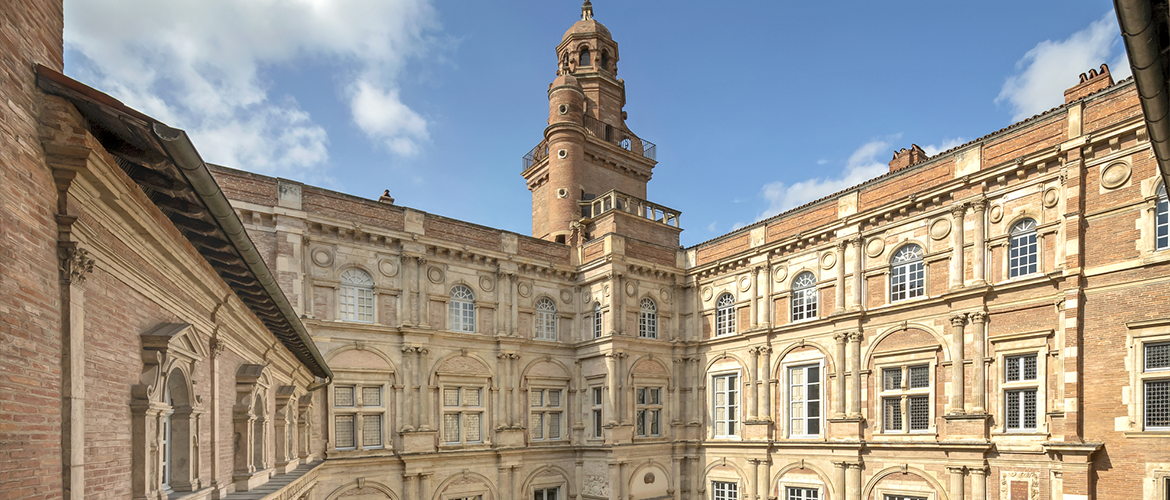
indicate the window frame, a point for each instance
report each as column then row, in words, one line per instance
column 907, row 269
column 725, row 494
column 544, row 412
column 734, row 380
column 801, row 295
column 1020, row 236
column 358, row 412
column 597, row 411
column 904, row 394
column 462, row 309
column 647, row 412
column 648, row 318
column 788, row 367
column 1146, row 376
column 817, row 491
column 463, row 410
column 597, row 326
column 544, row 324
column 725, row 315
column 1161, row 218
column 351, row 292
column 1021, row 385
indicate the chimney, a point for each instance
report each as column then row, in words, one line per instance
column 386, row 198
column 1090, row 82
column 907, row 157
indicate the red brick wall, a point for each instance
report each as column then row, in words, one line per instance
column 803, row 221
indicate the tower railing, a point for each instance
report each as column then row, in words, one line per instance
column 596, row 128
column 617, row 200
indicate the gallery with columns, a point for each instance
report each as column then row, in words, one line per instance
column 990, row 322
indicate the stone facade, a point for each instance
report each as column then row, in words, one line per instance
column 984, row 323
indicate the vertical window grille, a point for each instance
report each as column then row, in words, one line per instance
column 919, row 413
column 344, row 431
column 724, row 490
column 795, row 493
column 725, row 315
column 1162, row 222
column 545, row 419
column 907, row 274
column 1021, row 409
column 649, row 411
column 804, row 296
column 804, row 399
column 726, row 405
column 462, row 309
column 546, row 319
column 597, row 414
column 919, row 376
column 892, row 414
column 356, row 296
column 891, row 379
column 462, row 413
column 1156, row 392
column 1023, row 253
column 596, row 320
column 648, row 319
column 372, row 396
column 372, row 431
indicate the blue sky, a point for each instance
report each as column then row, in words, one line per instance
column 756, row 107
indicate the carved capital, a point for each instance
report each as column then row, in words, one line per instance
column 979, row 205
column 841, row 337
column 978, row 317
column 75, row 264
column 842, row 244
column 855, row 241
column 959, row 320
column 855, row 337
column 958, row 210
column 765, row 350
column 215, row 347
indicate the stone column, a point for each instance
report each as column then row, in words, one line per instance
column 498, row 385
column 753, row 481
column 979, row 375
column 839, row 479
column 677, row 374
column 615, row 481
column 766, row 411
column 754, row 310
column 766, row 479
column 676, row 477
column 424, row 486
column 753, row 383
column 498, row 313
column 614, row 283
column 858, row 271
column 519, row 401
column 611, row 375
column 956, row 486
column 853, row 480
column 979, row 483
column 696, row 479
column 514, row 312
column 75, row 264
column 408, row 411
column 957, row 268
column 423, row 319
column 698, row 395
column 424, row 392
column 957, row 389
column 855, row 368
column 979, row 253
column 408, row 485
column 839, row 306
column 627, row 391
column 579, row 479
column 839, row 399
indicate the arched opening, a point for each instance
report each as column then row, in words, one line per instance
column 462, row 309
column 546, row 319
column 648, row 319
column 1023, row 253
column 178, row 455
column 804, row 296
column 604, row 62
column 907, row 274
column 258, row 434
column 585, row 59
column 596, row 320
column 725, row 315
column 356, row 296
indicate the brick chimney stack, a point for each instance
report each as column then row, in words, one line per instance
column 906, row 157
column 1090, row 82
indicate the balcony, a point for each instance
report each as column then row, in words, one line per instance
column 616, row 200
column 601, row 131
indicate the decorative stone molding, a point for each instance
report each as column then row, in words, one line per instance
column 250, row 419
column 875, row 246
column 780, row 274
column 388, row 267
column 1010, row 488
column 1115, row 175
column 1051, row 197
column 940, row 228
column 828, row 260
column 75, row 264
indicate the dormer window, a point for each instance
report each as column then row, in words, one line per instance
column 585, row 60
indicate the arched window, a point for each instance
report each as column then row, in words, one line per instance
column 1162, row 220
column 604, row 62
column 462, row 309
column 1022, row 256
column 585, row 60
column 597, row 320
column 648, row 319
column 356, row 301
column 804, row 296
column 546, row 319
column 725, row 315
column 907, row 275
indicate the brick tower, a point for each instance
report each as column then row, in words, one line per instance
column 587, row 149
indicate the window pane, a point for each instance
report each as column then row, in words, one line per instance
column 1157, row 402
column 919, row 413
column 343, row 396
column 343, row 431
column 554, row 425
column 536, row 397
column 653, row 422
column 892, row 414
column 451, row 427
column 372, row 431
column 640, row 422
column 1012, row 409
column 371, row 396
column 1012, row 369
column 554, row 398
column 1157, row 356
column 596, row 396
column 536, row 425
column 596, row 423
column 470, row 397
column 919, row 377
column 654, row 397
column 1030, row 368
column 1162, row 232
column 891, row 379
column 471, row 421
column 451, row 397
column 1030, row 409
column 640, row 396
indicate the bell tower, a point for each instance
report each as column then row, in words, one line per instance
column 587, row 150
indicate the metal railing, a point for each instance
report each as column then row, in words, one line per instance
column 603, row 131
column 617, row 200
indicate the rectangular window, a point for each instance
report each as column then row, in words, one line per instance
column 372, row 396
column 597, row 415
column 546, row 494
column 907, row 281
column 1021, row 409
column 1157, row 357
column 1020, row 368
column 1162, row 231
column 920, row 377
column 371, row 431
column 1156, row 391
column 905, row 399
column 892, row 414
column 796, row 493
column 724, row 490
column 649, row 411
column 804, row 400
column 726, row 405
column 462, row 412
column 545, row 419
column 1022, row 255
column 343, row 431
column 891, row 379
column 356, row 304
column 919, row 413
column 343, row 396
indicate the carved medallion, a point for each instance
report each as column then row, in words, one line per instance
column 875, row 246
column 436, row 275
column 631, row 289
column 1051, row 197
column 707, row 293
column 828, row 260
column 940, row 228
column 1115, row 175
column 524, row 288
column 566, row 296
column 322, row 257
column 665, row 295
column 780, row 274
column 387, row 267
column 996, row 213
column 486, row 283
column 745, row 283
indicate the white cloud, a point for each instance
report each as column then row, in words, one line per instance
column 712, row 227
column 863, row 164
column 1046, row 71
column 201, row 66
column 947, row 143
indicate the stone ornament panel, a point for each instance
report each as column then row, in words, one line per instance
column 995, row 214
column 387, row 267
column 322, row 257
column 524, row 288
column 745, row 283
column 1006, row 478
column 486, row 283
column 1051, row 197
column 780, row 274
column 664, row 294
column 566, row 296
column 1115, row 175
column 707, row 293
column 436, row 275
column 631, row 289
column 875, row 246
column 828, row 260
column 940, row 228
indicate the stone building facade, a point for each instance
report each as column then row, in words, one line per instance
column 990, row 322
